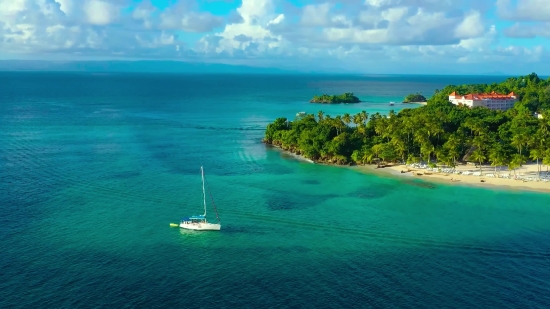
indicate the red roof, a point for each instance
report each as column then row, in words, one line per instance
column 483, row 96
column 453, row 94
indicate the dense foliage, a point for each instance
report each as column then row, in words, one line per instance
column 415, row 97
column 439, row 131
column 347, row 97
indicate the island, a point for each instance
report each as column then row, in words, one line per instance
column 441, row 139
column 414, row 98
column 347, row 97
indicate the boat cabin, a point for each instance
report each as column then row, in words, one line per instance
column 194, row 219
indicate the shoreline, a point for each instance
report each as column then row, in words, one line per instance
column 487, row 180
column 470, row 179
column 421, row 103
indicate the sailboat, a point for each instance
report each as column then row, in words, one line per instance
column 199, row 222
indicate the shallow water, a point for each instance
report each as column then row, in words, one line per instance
column 93, row 168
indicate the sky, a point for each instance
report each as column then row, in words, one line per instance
column 364, row 36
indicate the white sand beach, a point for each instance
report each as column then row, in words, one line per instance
column 421, row 103
column 525, row 178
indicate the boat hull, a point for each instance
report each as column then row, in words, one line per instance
column 200, row 226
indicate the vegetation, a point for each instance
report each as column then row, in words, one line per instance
column 439, row 131
column 414, row 97
column 347, row 97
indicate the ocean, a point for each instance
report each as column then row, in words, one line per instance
column 94, row 167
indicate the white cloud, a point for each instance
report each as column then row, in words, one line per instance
column 316, row 15
column 324, row 33
column 521, row 30
column 399, row 25
column 92, row 28
column 100, row 12
column 9, row 7
column 257, row 16
column 524, row 10
column 181, row 17
column 66, row 6
column 470, row 27
column 532, row 18
column 379, row 32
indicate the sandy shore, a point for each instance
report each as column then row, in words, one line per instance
column 488, row 176
column 421, row 103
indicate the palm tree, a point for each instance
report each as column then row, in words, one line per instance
column 516, row 162
column 346, row 119
column 449, row 162
column 497, row 157
column 537, row 154
column 479, row 156
column 440, row 155
column 367, row 155
column 364, row 116
column 452, row 145
column 426, row 149
column 357, row 119
column 381, row 127
column 542, row 131
column 376, row 149
column 399, row 145
column 412, row 159
column 408, row 126
column 519, row 140
column 433, row 126
column 475, row 126
column 320, row 115
column 546, row 159
column 338, row 124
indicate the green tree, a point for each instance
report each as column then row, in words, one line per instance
column 479, row 156
column 516, row 162
column 387, row 152
column 364, row 117
column 415, row 97
column 520, row 140
column 452, row 146
column 346, row 119
column 439, row 129
column 426, row 149
column 537, row 154
column 497, row 157
column 546, row 159
column 367, row 155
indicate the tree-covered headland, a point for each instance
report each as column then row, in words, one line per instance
column 414, row 97
column 347, row 97
column 438, row 132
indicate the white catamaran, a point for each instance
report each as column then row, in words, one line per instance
column 199, row 222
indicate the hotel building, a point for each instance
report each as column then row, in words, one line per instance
column 492, row 100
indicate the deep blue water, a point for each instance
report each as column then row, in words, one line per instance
column 94, row 167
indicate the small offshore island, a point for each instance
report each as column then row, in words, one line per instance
column 439, row 140
column 347, row 97
column 415, row 98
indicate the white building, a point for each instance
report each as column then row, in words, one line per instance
column 492, row 100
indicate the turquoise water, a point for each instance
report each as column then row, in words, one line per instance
column 93, row 168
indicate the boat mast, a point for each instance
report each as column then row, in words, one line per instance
column 203, row 193
column 212, row 199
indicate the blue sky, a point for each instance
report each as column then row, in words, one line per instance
column 363, row 36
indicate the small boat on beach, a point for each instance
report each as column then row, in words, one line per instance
column 199, row 222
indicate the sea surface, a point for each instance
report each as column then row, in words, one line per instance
column 94, row 167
